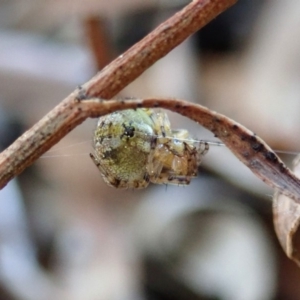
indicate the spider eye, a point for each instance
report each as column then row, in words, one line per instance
column 128, row 130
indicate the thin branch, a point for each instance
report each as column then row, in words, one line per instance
column 154, row 46
column 245, row 145
column 107, row 83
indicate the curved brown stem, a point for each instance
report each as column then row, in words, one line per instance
column 245, row 145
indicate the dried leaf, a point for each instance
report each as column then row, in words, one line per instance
column 286, row 215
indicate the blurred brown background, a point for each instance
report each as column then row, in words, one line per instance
column 65, row 235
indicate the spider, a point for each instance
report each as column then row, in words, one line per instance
column 135, row 147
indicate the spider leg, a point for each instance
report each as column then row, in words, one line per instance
column 178, row 161
column 175, row 158
column 166, row 178
column 168, row 167
column 161, row 126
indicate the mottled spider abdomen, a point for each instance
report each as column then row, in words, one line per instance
column 122, row 147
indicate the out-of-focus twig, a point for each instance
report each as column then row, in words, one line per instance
column 98, row 40
column 107, row 83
